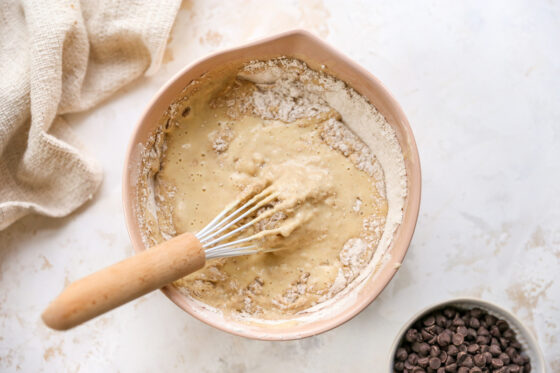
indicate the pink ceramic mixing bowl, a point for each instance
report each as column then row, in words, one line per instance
column 319, row 56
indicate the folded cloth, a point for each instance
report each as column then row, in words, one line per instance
column 58, row 57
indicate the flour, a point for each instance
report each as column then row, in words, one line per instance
column 220, row 139
column 286, row 100
column 292, row 294
column 357, row 205
column 353, row 259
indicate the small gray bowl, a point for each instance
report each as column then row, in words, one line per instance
column 524, row 336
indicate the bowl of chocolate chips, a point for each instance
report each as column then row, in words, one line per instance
column 465, row 335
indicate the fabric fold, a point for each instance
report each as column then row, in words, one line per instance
column 60, row 57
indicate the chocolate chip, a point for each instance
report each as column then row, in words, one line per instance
column 435, row 351
column 401, row 354
column 423, row 361
column 452, row 350
column 435, row 363
column 408, row 365
column 473, row 349
column 479, row 360
column 471, row 334
column 462, row 348
column 508, row 334
column 476, row 312
column 418, row 370
column 513, row 368
column 496, row 363
column 430, row 320
column 461, row 356
column 449, row 313
column 441, row 320
column 426, row 336
column 432, row 329
column 462, row 330
column 443, row 339
column 502, row 325
column 399, row 366
column 489, row 320
column 411, row 335
column 505, row 358
column 463, row 370
column 468, row 362
column 412, row 359
column 474, row 323
column 457, row 321
column 517, row 359
column 457, row 339
column 495, row 350
column 422, row 348
column 482, row 331
column 488, row 357
column 495, row 332
column 511, row 352
column 451, row 368
column 441, row 370
column 475, row 370
column 482, row 340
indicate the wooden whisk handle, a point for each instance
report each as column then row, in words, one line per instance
column 124, row 281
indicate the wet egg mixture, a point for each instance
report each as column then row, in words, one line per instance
column 268, row 124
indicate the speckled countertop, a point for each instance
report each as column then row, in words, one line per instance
column 480, row 83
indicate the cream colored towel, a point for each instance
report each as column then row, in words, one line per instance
column 57, row 57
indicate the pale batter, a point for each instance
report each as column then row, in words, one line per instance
column 253, row 127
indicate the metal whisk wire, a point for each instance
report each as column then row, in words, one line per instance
column 217, row 230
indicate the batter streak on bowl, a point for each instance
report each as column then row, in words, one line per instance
column 279, row 124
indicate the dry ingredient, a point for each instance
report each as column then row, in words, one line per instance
column 281, row 123
column 463, row 341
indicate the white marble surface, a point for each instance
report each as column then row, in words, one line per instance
column 480, row 83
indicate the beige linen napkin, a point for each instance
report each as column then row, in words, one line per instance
column 57, row 57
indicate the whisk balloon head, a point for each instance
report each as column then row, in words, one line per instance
column 223, row 236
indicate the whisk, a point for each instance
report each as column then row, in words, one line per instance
column 131, row 278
